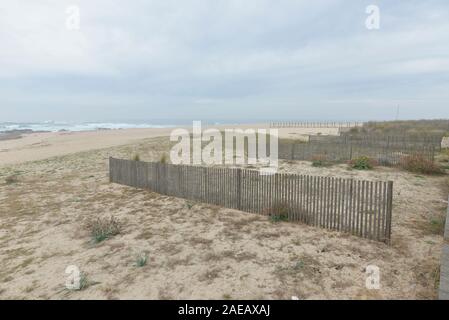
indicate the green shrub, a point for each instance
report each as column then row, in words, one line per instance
column 363, row 163
column 420, row 164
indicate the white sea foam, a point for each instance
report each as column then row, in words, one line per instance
column 88, row 126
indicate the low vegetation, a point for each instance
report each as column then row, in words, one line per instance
column 136, row 157
column 101, row 229
column 164, row 158
column 434, row 225
column 363, row 163
column 84, row 282
column 141, row 260
column 420, row 164
column 279, row 212
column 418, row 128
column 437, row 224
column 11, row 179
column 320, row 161
column 443, row 159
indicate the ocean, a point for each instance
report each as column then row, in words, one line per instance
column 53, row 126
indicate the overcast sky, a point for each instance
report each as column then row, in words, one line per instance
column 225, row 60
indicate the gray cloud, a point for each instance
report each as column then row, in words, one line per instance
column 223, row 60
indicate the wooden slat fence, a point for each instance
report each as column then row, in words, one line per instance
column 311, row 124
column 387, row 156
column 361, row 208
column 404, row 142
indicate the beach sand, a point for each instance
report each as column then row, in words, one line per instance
column 37, row 146
column 194, row 250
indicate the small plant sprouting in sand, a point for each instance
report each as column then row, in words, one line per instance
column 102, row 229
column 84, row 283
column 11, row 179
column 141, row 260
column 164, row 158
column 437, row 225
column 434, row 224
column 136, row 157
column 299, row 265
column 279, row 212
column 363, row 163
column 190, row 205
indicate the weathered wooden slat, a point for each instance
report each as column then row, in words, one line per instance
column 389, row 211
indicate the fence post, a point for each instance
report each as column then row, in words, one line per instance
column 293, row 151
column 110, row 169
column 239, row 188
column 389, row 211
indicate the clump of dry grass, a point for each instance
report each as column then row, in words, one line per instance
column 434, row 224
column 414, row 128
column 279, row 212
column 320, row 161
column 305, row 265
column 11, row 179
column 210, row 275
column 437, row 224
column 101, row 229
column 419, row 164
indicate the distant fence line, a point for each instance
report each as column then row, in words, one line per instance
column 381, row 140
column 384, row 155
column 361, row 208
column 310, row 124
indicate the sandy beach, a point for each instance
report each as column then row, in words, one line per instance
column 195, row 251
column 38, row 146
